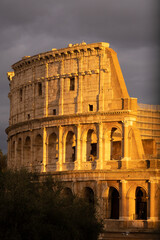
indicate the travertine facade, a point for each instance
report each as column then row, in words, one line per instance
column 71, row 116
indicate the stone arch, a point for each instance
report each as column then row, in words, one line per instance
column 67, row 193
column 70, row 147
column 113, row 142
column 19, row 153
column 87, row 140
column 141, row 203
column 131, row 200
column 89, row 144
column 52, row 148
column 38, row 150
column 116, row 143
column 88, row 195
column 113, row 203
column 27, row 151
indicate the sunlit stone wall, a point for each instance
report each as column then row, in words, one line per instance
column 71, row 116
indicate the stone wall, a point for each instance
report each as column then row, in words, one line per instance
column 71, row 117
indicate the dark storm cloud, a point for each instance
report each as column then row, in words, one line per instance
column 130, row 26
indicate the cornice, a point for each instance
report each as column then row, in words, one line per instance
column 73, row 50
column 69, row 119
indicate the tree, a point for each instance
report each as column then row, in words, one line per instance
column 32, row 209
column 3, row 161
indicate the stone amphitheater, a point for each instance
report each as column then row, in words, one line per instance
column 71, row 116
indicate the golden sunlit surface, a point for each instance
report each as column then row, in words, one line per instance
column 71, row 116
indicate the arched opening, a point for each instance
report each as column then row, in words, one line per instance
column 67, row 193
column 91, row 145
column 116, row 144
column 19, row 152
column 141, row 203
column 114, row 203
column 52, row 149
column 88, row 195
column 70, row 147
column 38, row 150
column 27, row 151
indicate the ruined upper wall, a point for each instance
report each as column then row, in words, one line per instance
column 148, row 122
column 77, row 79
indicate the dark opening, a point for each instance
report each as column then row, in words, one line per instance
column 39, row 89
column 74, row 154
column 116, row 144
column 29, row 116
column 90, row 107
column 94, row 149
column 67, row 193
column 54, row 111
column 141, row 204
column 72, row 84
column 114, row 204
column 89, row 195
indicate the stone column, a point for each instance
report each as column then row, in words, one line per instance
column 152, row 202
column 107, row 148
column 46, row 91
column 79, row 86
column 123, row 200
column 101, row 84
column 78, row 147
column 61, row 88
column 125, row 144
column 125, row 139
column 44, row 149
column 60, row 150
column 100, row 145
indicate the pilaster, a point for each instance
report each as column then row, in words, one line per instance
column 101, row 83
column 152, row 202
column 60, row 150
column 79, row 86
column 61, row 88
column 46, row 91
column 100, row 144
column 123, row 201
column 107, row 147
column 78, row 147
column 125, row 144
column 44, row 149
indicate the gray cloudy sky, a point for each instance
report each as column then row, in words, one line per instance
column 28, row 27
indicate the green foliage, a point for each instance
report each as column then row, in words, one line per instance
column 3, row 161
column 31, row 209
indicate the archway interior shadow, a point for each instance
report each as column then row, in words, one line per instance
column 114, row 202
column 141, row 204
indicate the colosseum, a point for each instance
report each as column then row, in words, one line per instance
column 71, row 116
